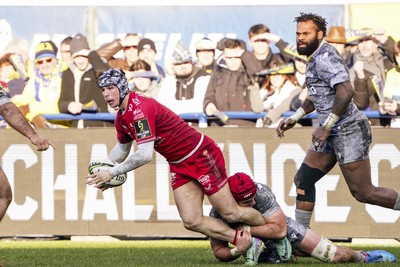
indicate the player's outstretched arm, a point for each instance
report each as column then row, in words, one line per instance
column 288, row 123
column 143, row 155
column 17, row 121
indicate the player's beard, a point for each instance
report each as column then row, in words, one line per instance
column 309, row 48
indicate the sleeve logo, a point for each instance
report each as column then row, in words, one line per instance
column 142, row 129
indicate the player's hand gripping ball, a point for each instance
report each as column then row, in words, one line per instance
column 100, row 165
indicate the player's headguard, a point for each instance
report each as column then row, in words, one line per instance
column 242, row 186
column 117, row 78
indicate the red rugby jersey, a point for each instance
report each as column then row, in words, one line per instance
column 146, row 120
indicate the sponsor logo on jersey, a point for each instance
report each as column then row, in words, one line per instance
column 136, row 101
column 173, row 178
column 137, row 113
column 204, row 180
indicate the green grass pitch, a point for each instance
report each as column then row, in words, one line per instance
column 134, row 253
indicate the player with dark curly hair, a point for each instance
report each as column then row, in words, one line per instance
column 344, row 132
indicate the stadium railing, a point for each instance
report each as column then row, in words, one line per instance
column 200, row 117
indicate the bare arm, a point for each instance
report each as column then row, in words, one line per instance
column 284, row 125
column 343, row 96
column 223, row 252
column 17, row 121
column 308, row 106
column 275, row 227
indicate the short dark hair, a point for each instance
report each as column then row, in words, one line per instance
column 318, row 20
column 67, row 40
column 258, row 29
column 232, row 43
column 140, row 65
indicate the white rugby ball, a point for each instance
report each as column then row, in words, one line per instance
column 99, row 165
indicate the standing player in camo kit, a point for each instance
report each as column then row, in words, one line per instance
column 196, row 163
column 344, row 134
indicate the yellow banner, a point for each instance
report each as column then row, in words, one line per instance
column 383, row 15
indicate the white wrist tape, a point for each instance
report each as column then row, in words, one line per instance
column 330, row 121
column 298, row 114
column 234, row 252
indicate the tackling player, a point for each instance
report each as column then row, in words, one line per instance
column 304, row 242
column 196, row 163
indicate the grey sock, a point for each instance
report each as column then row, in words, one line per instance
column 397, row 204
column 303, row 217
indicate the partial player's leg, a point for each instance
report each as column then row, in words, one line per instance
column 352, row 144
column 207, row 166
column 321, row 248
column 314, row 167
column 5, row 193
column 358, row 179
column 228, row 208
column 189, row 201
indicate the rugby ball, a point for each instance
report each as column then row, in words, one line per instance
column 99, row 165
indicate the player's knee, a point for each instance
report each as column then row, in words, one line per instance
column 232, row 217
column 305, row 180
column 191, row 224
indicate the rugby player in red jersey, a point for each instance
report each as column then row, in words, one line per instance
column 197, row 165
